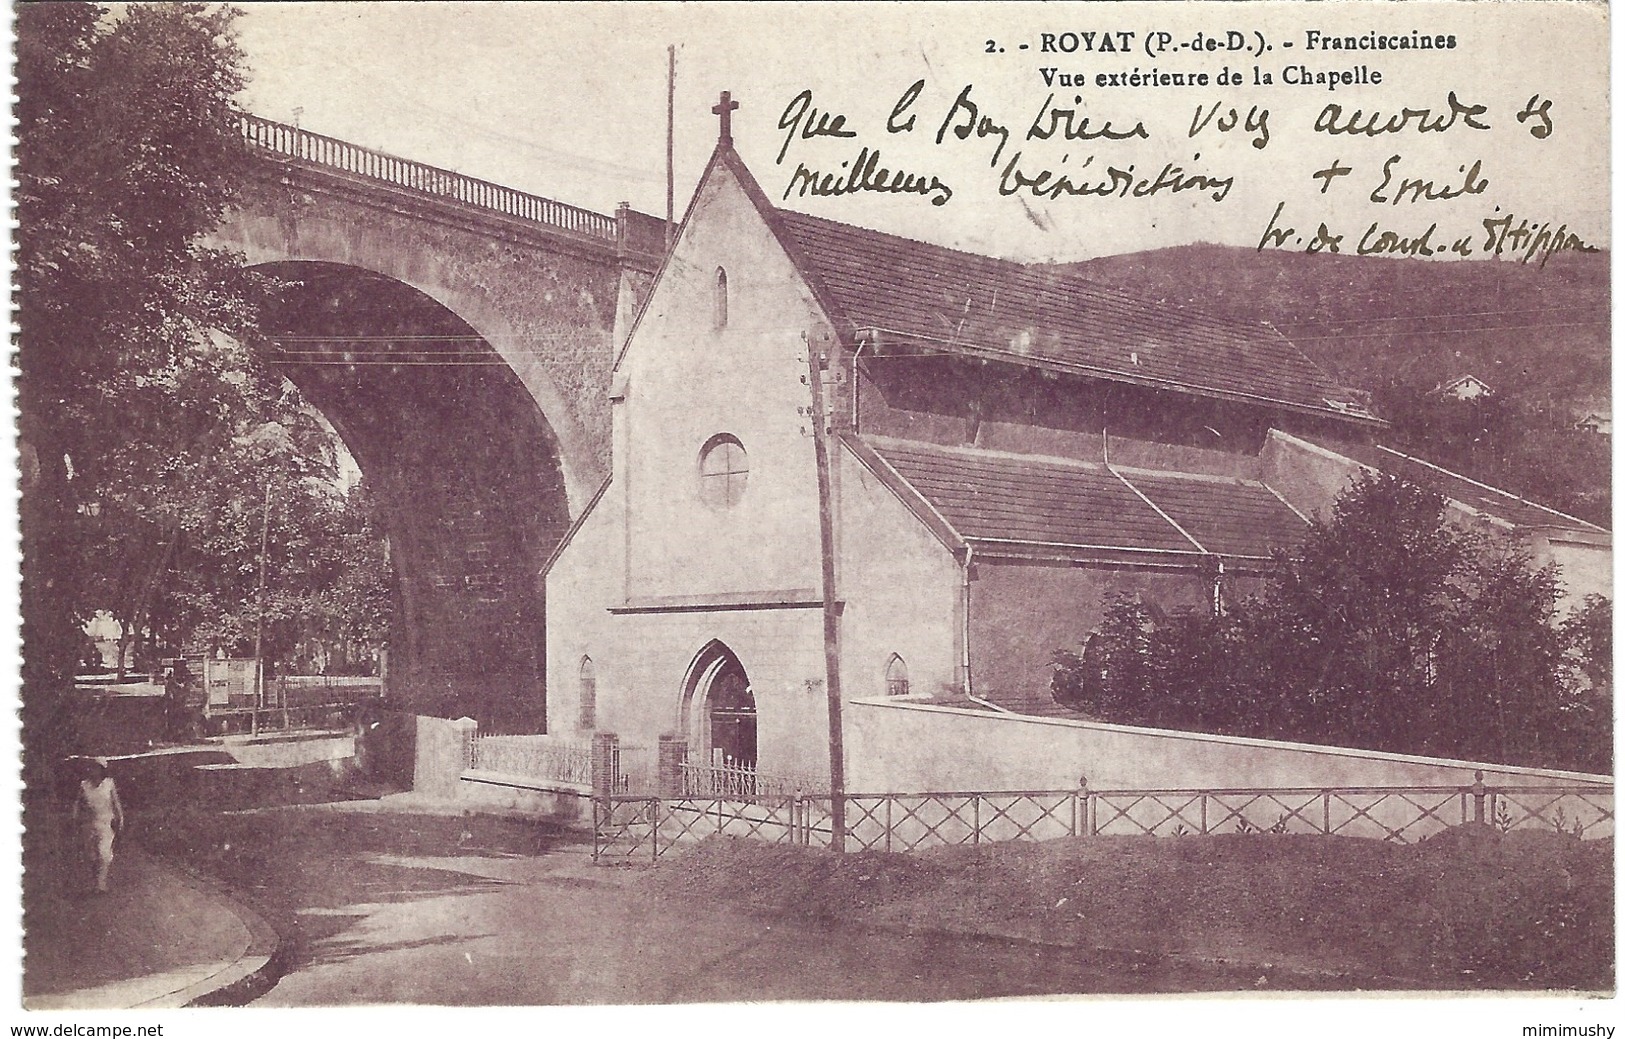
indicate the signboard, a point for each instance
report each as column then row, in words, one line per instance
column 230, row 683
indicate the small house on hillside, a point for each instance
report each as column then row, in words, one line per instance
column 1008, row 449
column 1600, row 422
column 1464, row 387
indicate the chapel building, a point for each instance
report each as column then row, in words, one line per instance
column 1010, row 447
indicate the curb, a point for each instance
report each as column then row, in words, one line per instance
column 251, row 975
column 252, row 972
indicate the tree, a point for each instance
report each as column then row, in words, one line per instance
column 128, row 152
column 1389, row 627
column 353, row 614
column 160, row 454
column 1589, row 634
column 1529, row 446
column 1363, row 602
column 327, row 598
column 1113, row 675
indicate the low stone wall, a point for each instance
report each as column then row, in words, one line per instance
column 897, row 746
column 286, row 752
column 441, row 771
column 512, row 794
column 441, row 752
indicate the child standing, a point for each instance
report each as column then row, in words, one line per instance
column 98, row 817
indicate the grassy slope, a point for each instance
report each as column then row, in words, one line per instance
column 1466, row 908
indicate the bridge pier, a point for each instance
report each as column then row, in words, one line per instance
column 459, row 335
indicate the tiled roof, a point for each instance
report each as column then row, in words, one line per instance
column 963, row 302
column 984, row 495
column 1228, row 517
column 1491, row 501
column 995, row 496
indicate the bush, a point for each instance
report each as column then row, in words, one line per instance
column 1388, row 628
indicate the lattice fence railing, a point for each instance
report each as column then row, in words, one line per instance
column 629, row 828
column 1402, row 814
column 903, row 822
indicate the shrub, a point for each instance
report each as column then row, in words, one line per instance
column 1388, row 628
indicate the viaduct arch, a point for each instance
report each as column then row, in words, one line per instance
column 459, row 336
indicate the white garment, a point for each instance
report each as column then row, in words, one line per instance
column 100, row 802
column 98, row 810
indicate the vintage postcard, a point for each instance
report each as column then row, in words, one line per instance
column 886, row 508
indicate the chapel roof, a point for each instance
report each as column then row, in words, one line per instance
column 1493, row 502
column 947, row 300
column 1052, row 506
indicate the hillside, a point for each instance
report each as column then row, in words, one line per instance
column 1468, row 908
column 1400, row 327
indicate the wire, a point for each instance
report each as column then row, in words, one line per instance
column 1465, row 313
column 375, row 350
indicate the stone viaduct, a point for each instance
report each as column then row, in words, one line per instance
column 459, row 336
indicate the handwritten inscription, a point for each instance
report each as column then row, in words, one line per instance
column 802, row 121
column 1511, row 237
column 865, row 173
column 1073, row 125
column 1395, row 189
column 805, row 122
column 1333, row 119
column 1256, row 121
column 1067, row 147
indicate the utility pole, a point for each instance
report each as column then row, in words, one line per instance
column 259, row 612
column 832, row 617
column 671, row 108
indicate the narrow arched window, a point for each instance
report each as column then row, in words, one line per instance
column 724, row 468
column 719, row 314
column 896, row 676
column 589, row 695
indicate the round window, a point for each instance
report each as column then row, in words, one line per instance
column 723, row 471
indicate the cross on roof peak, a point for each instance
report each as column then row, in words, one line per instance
column 725, row 108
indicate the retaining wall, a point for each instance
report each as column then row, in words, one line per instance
column 894, row 745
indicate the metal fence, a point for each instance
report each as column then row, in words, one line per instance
column 903, row 822
column 315, row 148
column 738, row 781
column 1402, row 814
column 313, row 690
column 253, row 721
column 534, row 757
column 633, row 768
column 546, row 758
column 627, row 828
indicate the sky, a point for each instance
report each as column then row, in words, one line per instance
column 569, row 102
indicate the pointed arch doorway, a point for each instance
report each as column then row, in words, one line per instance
column 720, row 710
